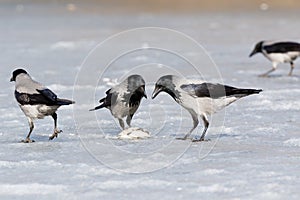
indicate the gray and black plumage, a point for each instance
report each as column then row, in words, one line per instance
column 124, row 99
column 36, row 101
column 199, row 98
column 278, row 52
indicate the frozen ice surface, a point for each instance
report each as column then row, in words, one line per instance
column 253, row 153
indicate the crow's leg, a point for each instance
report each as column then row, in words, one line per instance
column 56, row 131
column 274, row 66
column 31, row 125
column 206, row 124
column 121, row 122
column 128, row 119
column 195, row 124
column 292, row 67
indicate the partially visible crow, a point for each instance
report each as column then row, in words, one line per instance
column 124, row 99
column 278, row 52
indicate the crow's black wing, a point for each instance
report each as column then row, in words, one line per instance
column 48, row 94
column 215, row 91
column 43, row 97
column 282, row 47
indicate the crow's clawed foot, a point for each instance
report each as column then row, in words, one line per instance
column 55, row 134
column 200, row 140
column 27, row 140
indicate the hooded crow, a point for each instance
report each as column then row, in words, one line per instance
column 199, row 98
column 278, row 52
column 36, row 101
column 124, row 99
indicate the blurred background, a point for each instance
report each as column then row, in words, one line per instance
column 35, row 33
column 166, row 5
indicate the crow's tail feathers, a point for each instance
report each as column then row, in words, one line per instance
column 62, row 102
column 246, row 92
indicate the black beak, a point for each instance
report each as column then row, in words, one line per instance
column 12, row 79
column 144, row 92
column 253, row 52
column 156, row 92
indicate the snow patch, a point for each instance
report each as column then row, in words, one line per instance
column 63, row 45
column 292, row 142
column 213, row 171
column 29, row 163
column 71, row 45
column 214, row 188
column 31, row 188
column 141, row 58
column 110, row 82
column 116, row 184
column 61, row 87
